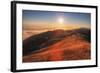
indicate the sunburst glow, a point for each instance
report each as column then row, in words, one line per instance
column 61, row 20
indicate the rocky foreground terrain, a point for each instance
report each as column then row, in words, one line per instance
column 58, row 45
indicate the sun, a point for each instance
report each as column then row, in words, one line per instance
column 61, row 23
column 61, row 20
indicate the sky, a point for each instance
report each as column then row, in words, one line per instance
column 46, row 20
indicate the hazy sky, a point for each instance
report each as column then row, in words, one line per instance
column 50, row 19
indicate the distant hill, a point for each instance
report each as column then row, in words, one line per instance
column 44, row 44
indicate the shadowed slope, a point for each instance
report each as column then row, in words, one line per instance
column 41, row 40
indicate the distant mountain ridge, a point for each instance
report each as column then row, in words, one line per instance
column 46, row 39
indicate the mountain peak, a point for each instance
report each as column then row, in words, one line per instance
column 57, row 31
